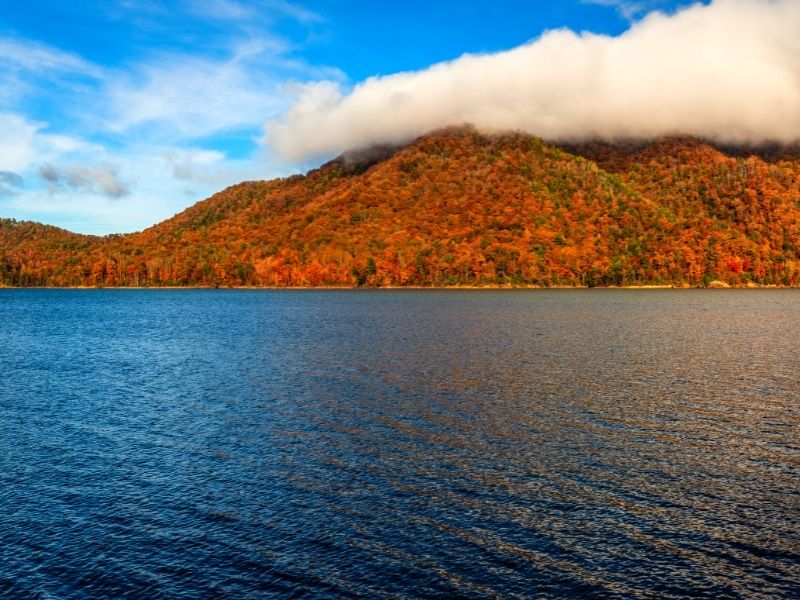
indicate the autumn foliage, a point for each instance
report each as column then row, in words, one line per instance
column 460, row 208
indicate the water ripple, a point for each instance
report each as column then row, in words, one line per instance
column 191, row 444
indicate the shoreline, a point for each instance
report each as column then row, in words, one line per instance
column 488, row 287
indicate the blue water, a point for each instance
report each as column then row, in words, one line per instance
column 399, row 444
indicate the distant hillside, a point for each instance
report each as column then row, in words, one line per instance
column 459, row 208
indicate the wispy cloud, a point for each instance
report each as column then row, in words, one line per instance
column 193, row 165
column 295, row 11
column 188, row 97
column 632, row 9
column 181, row 96
column 114, row 146
column 27, row 66
column 266, row 10
column 36, row 57
column 24, row 143
column 10, row 183
column 100, row 180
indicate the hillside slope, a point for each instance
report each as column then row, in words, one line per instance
column 459, row 208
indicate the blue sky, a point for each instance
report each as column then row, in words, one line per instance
column 117, row 115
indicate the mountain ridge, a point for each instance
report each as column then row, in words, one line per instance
column 460, row 208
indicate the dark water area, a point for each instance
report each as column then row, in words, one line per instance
column 399, row 444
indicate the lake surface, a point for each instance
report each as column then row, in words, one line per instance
column 403, row 444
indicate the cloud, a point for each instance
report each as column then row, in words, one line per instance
column 222, row 9
column 38, row 57
column 121, row 137
column 231, row 10
column 728, row 71
column 184, row 97
column 10, row 183
column 117, row 152
column 294, row 11
column 190, row 97
column 28, row 65
column 193, row 165
column 631, row 9
column 98, row 180
column 17, row 142
column 225, row 75
column 26, row 142
column 9, row 178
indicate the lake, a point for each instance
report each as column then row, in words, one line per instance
column 403, row 444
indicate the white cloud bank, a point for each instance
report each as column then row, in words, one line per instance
column 728, row 71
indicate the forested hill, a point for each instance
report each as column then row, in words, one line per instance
column 459, row 208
